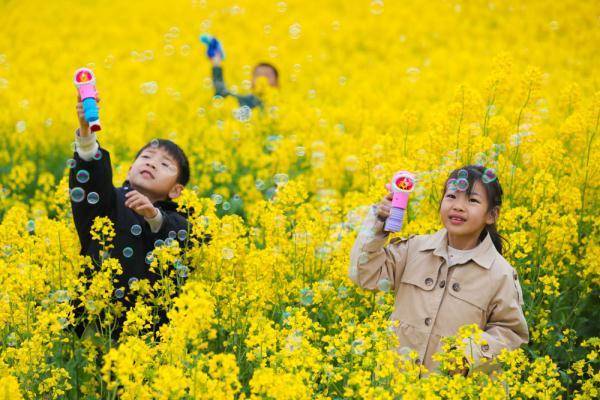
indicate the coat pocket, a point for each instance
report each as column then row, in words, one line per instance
column 463, row 305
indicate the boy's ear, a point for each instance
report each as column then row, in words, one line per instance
column 175, row 191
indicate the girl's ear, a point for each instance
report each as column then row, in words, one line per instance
column 492, row 215
column 175, row 191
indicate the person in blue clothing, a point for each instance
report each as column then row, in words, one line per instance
column 261, row 70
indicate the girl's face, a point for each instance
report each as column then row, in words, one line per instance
column 466, row 214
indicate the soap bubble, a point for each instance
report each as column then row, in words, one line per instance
column 30, row 226
column 149, row 87
column 182, row 234
column 82, row 176
column 216, row 198
column 384, row 285
column 136, row 230
column 183, row 271
column 172, row 234
column 260, row 184
column 169, row 241
column 377, row 7
column 154, row 143
column 226, row 206
column 61, row 296
column 90, row 305
column 300, row 151
column 295, row 30
column 280, row 179
column 132, row 281
column 489, row 175
column 149, row 257
column 48, row 122
column 97, row 155
column 93, row 198
column 227, row 253
column 242, row 114
column 127, row 252
column 451, row 185
column 159, row 243
column 71, row 163
column 306, row 297
column 21, row 126
column 463, row 174
column 77, row 194
column 119, row 293
column 3, row 83
column 147, row 55
column 185, row 50
column 462, row 184
column 169, row 50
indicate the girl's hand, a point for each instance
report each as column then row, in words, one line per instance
column 140, row 204
column 84, row 126
column 384, row 207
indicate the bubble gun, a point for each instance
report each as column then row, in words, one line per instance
column 213, row 46
column 402, row 184
column 85, row 81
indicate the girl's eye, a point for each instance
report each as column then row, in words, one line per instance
column 450, row 195
column 165, row 165
column 145, row 156
column 474, row 200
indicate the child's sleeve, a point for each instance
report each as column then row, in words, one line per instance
column 218, row 82
column 506, row 326
column 172, row 221
column 90, row 185
column 371, row 261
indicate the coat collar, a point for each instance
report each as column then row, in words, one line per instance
column 484, row 254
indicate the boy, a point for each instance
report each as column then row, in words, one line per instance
column 142, row 210
column 261, row 70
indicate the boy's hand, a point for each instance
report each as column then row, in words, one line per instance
column 384, row 207
column 140, row 204
column 216, row 60
column 84, row 126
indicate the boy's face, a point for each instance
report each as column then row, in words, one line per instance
column 264, row 72
column 154, row 173
column 466, row 214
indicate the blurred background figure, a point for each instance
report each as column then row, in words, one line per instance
column 264, row 74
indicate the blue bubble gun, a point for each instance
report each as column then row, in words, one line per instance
column 213, row 46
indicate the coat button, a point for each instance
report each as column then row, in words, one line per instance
column 427, row 321
column 485, row 347
column 442, row 284
column 418, row 361
column 456, row 286
column 428, row 281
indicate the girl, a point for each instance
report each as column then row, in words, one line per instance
column 453, row 277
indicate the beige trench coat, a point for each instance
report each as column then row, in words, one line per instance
column 432, row 300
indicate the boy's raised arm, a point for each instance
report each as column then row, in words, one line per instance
column 90, row 180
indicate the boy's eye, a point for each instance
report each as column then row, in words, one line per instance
column 450, row 195
column 474, row 200
column 165, row 165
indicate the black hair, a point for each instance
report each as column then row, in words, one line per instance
column 494, row 192
column 174, row 151
column 271, row 66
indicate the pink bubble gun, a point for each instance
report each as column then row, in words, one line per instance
column 402, row 184
column 85, row 81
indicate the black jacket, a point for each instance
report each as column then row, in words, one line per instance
column 111, row 203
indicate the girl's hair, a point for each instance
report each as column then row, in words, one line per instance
column 494, row 195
